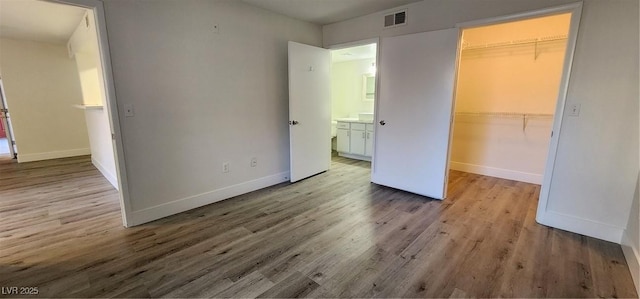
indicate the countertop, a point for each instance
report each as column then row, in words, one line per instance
column 354, row 120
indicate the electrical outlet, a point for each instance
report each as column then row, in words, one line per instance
column 574, row 110
column 254, row 162
column 225, row 167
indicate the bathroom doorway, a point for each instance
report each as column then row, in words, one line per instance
column 353, row 95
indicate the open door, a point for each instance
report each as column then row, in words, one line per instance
column 309, row 110
column 416, row 85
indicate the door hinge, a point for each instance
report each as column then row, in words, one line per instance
column 113, row 136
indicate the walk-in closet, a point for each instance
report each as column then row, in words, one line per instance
column 507, row 89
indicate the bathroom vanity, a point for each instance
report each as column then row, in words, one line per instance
column 355, row 138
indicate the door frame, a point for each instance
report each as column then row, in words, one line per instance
column 363, row 42
column 97, row 7
column 576, row 12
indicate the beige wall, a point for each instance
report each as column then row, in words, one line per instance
column 42, row 85
column 514, row 79
column 201, row 99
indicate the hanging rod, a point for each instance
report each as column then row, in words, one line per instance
column 525, row 116
column 535, row 41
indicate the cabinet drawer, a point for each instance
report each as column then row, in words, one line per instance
column 357, row 126
column 370, row 127
column 342, row 125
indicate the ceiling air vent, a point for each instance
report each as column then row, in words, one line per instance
column 395, row 19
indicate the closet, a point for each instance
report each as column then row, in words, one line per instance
column 506, row 93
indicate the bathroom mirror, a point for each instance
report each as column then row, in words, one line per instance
column 368, row 87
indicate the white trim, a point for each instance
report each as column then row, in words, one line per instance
column 533, row 178
column 581, row 226
column 572, row 7
column 200, row 200
column 53, row 155
column 632, row 255
column 543, row 200
column 107, row 175
column 97, row 6
column 452, row 114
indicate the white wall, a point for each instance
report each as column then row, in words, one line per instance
column 42, row 85
column 201, row 98
column 514, row 79
column 597, row 160
column 346, row 88
column 84, row 46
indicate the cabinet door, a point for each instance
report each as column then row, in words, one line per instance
column 343, row 140
column 368, row 146
column 357, row 142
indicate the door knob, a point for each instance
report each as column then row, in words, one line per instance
column 293, row 122
column 382, row 123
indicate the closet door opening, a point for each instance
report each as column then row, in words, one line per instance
column 509, row 79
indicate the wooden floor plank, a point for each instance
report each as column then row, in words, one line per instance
column 331, row 235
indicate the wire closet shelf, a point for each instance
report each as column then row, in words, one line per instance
column 523, row 115
column 531, row 41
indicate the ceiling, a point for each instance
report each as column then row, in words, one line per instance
column 54, row 23
column 324, row 12
column 38, row 20
column 354, row 53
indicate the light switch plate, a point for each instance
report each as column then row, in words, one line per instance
column 574, row 110
column 128, row 110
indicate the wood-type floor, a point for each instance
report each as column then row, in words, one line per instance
column 332, row 235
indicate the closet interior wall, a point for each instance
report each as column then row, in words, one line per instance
column 506, row 95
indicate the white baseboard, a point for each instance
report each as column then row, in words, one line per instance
column 196, row 201
column 53, row 155
column 632, row 255
column 527, row 177
column 112, row 178
column 581, row 226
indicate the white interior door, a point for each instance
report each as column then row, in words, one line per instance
column 414, row 112
column 309, row 110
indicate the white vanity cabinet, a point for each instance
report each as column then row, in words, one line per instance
column 358, row 138
column 355, row 139
column 342, row 134
column 368, row 143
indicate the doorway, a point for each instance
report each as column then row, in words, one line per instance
column 79, row 51
column 7, row 143
column 509, row 77
column 353, row 94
